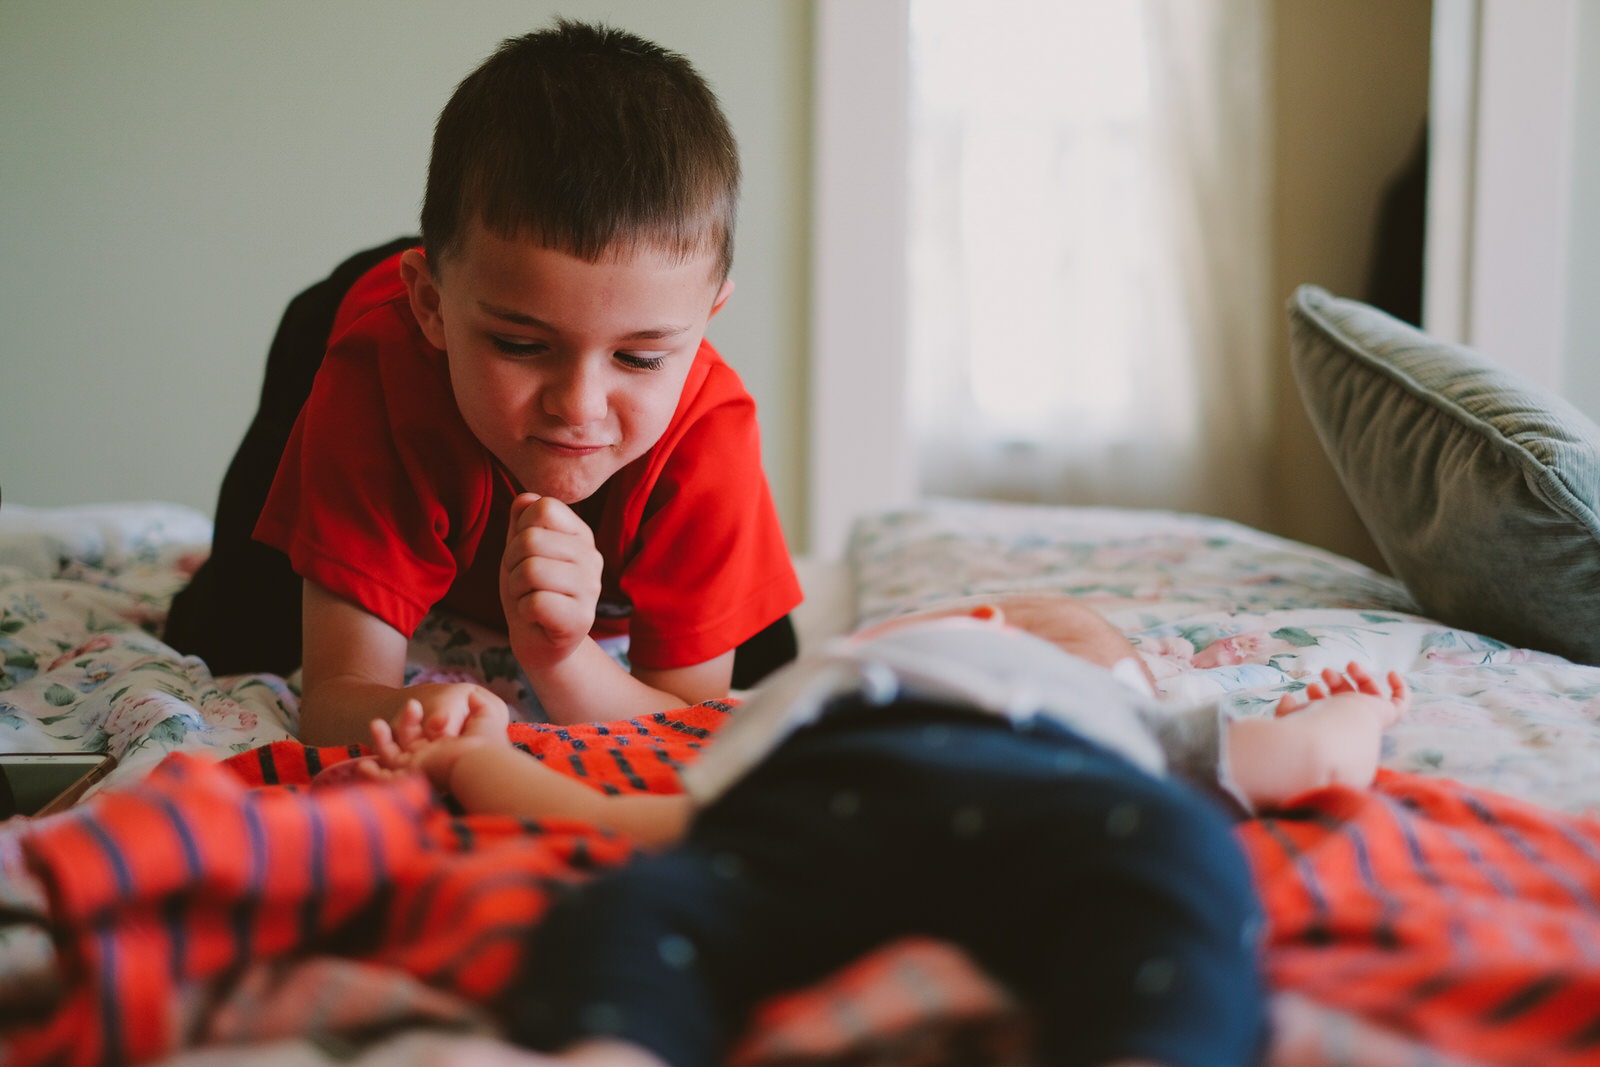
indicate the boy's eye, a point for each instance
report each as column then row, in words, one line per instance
column 517, row 348
column 627, row 359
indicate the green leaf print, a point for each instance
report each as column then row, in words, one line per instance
column 171, row 730
column 17, row 658
column 1296, row 637
column 59, row 696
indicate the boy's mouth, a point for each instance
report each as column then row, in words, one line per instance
column 561, row 448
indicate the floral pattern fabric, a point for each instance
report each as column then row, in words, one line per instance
column 83, row 596
column 1213, row 607
column 1216, row 608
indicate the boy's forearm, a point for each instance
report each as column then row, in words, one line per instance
column 504, row 780
column 339, row 711
column 589, row 685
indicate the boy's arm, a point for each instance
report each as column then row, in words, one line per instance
column 549, row 587
column 353, row 672
column 589, row 684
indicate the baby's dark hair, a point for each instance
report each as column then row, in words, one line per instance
column 586, row 139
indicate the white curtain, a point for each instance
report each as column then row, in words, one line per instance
column 1090, row 252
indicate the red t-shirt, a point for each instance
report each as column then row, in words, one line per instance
column 385, row 497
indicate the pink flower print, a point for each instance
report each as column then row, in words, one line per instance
column 1256, row 646
column 1166, row 656
column 136, row 718
column 95, row 644
column 229, row 714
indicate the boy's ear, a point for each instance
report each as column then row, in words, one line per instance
column 722, row 296
column 424, row 294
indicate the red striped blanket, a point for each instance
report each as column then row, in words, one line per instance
column 1434, row 912
column 1465, row 919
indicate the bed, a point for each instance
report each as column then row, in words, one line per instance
column 1448, row 916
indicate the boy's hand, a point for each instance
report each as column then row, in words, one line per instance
column 549, row 580
column 446, row 709
column 402, row 748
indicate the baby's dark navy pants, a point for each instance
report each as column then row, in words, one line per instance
column 1115, row 905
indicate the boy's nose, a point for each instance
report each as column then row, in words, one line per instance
column 577, row 397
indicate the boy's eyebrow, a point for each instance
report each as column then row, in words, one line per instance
column 655, row 333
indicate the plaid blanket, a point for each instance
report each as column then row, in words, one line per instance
column 1464, row 919
column 202, row 870
column 1419, row 913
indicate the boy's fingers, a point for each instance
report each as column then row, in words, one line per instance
column 1287, row 706
column 552, row 574
column 521, row 503
column 481, row 702
column 558, row 613
column 407, row 729
column 383, row 742
column 442, row 724
column 545, row 512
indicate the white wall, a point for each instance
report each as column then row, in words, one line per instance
column 173, row 171
column 1514, row 222
column 1582, row 360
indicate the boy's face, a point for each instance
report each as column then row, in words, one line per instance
column 567, row 371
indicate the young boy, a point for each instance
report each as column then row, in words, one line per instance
column 998, row 786
column 521, row 420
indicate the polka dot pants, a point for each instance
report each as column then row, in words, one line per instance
column 1114, row 904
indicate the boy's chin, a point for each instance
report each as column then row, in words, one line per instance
column 567, row 487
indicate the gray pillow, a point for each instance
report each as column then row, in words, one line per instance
column 1479, row 487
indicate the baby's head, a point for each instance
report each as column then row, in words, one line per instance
column 589, row 140
column 1054, row 617
column 578, row 231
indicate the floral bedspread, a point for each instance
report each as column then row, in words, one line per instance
column 1219, row 608
column 83, row 594
column 1214, row 607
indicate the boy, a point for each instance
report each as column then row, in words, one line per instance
column 947, row 775
column 521, row 420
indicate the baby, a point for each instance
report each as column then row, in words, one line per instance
column 992, row 774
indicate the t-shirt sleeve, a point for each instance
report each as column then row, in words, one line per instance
column 370, row 497
column 710, row 568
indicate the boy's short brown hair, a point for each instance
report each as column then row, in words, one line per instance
column 586, row 139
